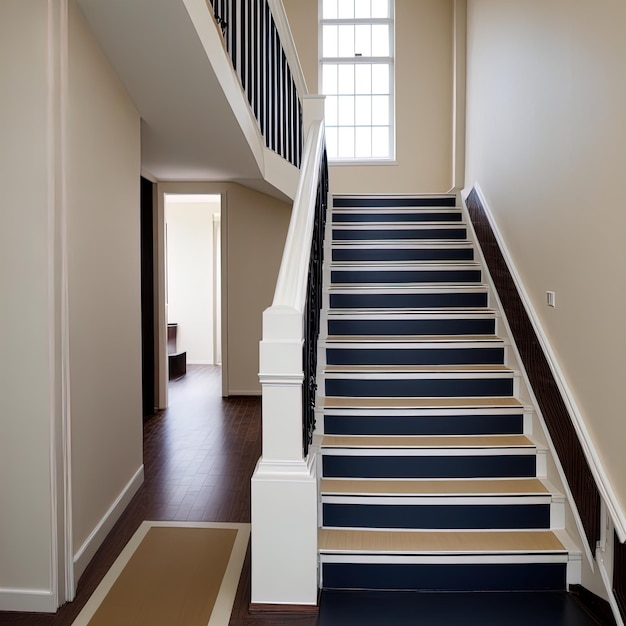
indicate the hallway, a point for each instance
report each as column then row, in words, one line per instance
column 199, row 455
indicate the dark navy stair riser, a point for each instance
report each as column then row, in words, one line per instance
column 370, row 234
column 408, row 300
column 447, row 516
column 407, row 316
column 406, row 276
column 444, row 577
column 355, row 201
column 403, row 254
column 422, row 216
column 419, row 387
column 455, row 326
column 488, row 466
column 420, row 356
column 424, row 425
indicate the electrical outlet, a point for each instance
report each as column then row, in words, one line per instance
column 550, row 298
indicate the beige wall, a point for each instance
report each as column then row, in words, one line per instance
column 103, row 282
column 27, row 327
column 254, row 226
column 424, row 97
column 546, row 141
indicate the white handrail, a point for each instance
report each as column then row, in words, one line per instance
column 292, row 276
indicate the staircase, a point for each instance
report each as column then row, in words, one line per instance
column 430, row 478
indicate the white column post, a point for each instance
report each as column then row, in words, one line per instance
column 284, row 484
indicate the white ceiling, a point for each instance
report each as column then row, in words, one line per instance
column 189, row 131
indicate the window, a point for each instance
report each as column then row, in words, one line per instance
column 356, row 75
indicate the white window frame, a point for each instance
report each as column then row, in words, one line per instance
column 391, row 159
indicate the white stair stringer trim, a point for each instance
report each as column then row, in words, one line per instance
column 506, row 331
column 618, row 515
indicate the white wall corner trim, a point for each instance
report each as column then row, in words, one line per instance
column 86, row 552
column 617, row 514
column 28, row 600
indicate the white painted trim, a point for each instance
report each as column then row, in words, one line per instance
column 412, row 500
column 459, row 93
column 528, row 419
column 68, row 591
column 431, row 452
column 61, row 570
column 28, row 600
column 224, row 290
column 291, row 284
column 607, row 579
column 87, row 551
column 596, row 466
column 148, row 176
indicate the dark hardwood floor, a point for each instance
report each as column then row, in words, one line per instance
column 199, row 456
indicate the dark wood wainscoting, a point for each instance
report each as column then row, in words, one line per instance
column 546, row 390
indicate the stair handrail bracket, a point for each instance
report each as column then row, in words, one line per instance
column 284, row 483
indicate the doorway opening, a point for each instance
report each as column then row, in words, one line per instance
column 193, row 280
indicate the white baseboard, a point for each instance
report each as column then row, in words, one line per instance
column 243, row 392
column 28, row 600
column 86, row 552
column 618, row 515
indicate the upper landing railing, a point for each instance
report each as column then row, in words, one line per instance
column 259, row 45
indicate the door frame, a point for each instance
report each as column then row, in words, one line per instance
column 188, row 188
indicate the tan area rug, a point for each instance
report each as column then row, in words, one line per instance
column 171, row 574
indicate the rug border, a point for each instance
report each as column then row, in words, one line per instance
column 223, row 606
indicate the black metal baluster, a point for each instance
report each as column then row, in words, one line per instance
column 251, row 38
column 312, row 309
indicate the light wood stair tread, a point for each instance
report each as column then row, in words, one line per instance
column 362, row 541
column 518, row 486
column 338, row 402
column 425, row 441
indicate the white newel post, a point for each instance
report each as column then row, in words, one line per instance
column 284, row 484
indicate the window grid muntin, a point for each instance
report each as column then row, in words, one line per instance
column 358, row 129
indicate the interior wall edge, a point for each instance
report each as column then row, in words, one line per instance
column 86, row 552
